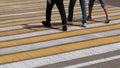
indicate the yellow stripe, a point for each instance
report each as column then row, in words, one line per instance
column 57, row 36
column 53, row 19
column 24, row 30
column 58, row 49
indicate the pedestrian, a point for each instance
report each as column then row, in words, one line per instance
column 71, row 9
column 103, row 5
column 60, row 6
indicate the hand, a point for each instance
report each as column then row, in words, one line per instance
column 49, row 2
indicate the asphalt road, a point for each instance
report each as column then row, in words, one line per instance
column 110, row 64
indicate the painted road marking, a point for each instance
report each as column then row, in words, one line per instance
column 56, row 36
column 51, row 43
column 65, row 56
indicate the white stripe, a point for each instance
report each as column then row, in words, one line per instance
column 94, row 62
column 67, row 56
column 8, row 66
column 19, row 27
column 2, row 66
column 50, row 31
column 57, row 42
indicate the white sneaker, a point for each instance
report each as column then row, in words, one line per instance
column 84, row 25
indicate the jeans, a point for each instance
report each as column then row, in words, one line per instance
column 71, row 8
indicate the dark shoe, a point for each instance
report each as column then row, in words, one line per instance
column 89, row 18
column 64, row 28
column 107, row 21
column 47, row 24
column 84, row 24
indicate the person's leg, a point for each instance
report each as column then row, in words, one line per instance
column 83, row 8
column 48, row 14
column 103, row 4
column 71, row 9
column 91, row 4
column 49, row 11
column 61, row 8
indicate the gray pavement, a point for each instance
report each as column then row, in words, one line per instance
column 109, row 64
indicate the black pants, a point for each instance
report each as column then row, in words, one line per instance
column 61, row 8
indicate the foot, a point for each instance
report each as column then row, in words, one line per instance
column 64, row 28
column 84, row 24
column 107, row 21
column 89, row 18
column 47, row 24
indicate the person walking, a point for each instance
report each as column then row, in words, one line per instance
column 71, row 9
column 60, row 6
column 103, row 5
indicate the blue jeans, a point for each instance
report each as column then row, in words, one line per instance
column 71, row 8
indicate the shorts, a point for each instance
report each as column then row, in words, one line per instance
column 102, row 2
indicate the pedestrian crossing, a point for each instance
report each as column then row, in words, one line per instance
column 26, row 43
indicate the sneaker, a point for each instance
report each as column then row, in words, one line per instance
column 89, row 18
column 47, row 24
column 64, row 28
column 107, row 21
column 84, row 24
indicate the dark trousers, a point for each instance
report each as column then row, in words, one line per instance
column 60, row 7
column 71, row 8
